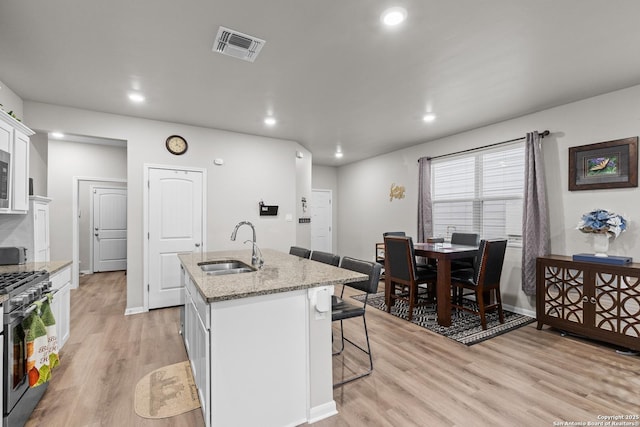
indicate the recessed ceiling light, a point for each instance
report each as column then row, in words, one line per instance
column 429, row 117
column 270, row 121
column 136, row 97
column 57, row 135
column 394, row 16
column 338, row 154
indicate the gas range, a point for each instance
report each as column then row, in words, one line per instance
column 23, row 288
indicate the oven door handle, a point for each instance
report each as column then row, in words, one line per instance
column 34, row 305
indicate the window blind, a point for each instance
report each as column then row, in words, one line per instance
column 480, row 192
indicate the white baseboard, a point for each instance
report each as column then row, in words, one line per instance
column 520, row 310
column 86, row 272
column 321, row 412
column 134, row 310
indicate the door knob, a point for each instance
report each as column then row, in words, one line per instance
column 197, row 245
column 96, row 234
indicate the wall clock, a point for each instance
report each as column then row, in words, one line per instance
column 176, row 145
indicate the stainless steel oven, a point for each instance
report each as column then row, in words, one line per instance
column 24, row 290
column 5, row 162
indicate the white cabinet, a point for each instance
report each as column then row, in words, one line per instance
column 197, row 342
column 39, row 218
column 14, row 138
column 61, row 304
column 6, row 135
column 1, row 354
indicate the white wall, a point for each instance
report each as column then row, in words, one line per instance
column 365, row 211
column 66, row 161
column 255, row 168
column 38, row 158
column 326, row 178
column 303, row 177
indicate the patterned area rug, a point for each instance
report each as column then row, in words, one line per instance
column 465, row 327
column 166, row 392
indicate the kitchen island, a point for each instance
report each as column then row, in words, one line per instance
column 259, row 342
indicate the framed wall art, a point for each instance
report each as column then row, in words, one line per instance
column 610, row 164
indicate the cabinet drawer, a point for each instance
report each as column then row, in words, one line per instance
column 61, row 278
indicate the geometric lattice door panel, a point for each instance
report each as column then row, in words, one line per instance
column 617, row 303
column 564, row 293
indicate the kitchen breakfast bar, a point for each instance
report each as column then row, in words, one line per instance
column 259, row 341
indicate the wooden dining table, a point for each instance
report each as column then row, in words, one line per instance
column 444, row 253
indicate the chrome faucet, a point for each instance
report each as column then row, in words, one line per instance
column 259, row 259
column 255, row 259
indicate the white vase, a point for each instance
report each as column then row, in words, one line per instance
column 600, row 244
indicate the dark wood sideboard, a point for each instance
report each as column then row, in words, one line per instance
column 598, row 301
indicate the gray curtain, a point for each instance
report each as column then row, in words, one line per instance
column 425, row 221
column 535, row 218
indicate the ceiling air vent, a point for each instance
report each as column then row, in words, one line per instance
column 236, row 44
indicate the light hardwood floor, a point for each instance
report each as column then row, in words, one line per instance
column 524, row 378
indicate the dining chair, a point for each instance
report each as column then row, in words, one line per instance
column 380, row 248
column 300, row 252
column 467, row 239
column 342, row 310
column 485, row 277
column 403, row 277
column 326, row 258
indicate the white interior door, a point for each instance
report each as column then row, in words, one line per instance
column 175, row 226
column 109, row 229
column 321, row 220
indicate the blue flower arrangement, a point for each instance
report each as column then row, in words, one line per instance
column 602, row 221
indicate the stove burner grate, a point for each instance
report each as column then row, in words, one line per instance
column 10, row 281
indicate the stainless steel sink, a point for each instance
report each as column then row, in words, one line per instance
column 219, row 268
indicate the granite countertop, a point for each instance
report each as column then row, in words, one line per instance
column 281, row 273
column 51, row 266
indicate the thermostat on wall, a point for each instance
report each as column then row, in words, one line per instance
column 218, row 162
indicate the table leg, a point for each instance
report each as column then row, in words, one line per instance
column 444, row 292
column 387, row 291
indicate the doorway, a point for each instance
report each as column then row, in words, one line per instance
column 81, row 214
column 321, row 220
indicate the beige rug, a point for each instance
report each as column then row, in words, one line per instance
column 166, row 392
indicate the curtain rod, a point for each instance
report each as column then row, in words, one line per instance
column 542, row 135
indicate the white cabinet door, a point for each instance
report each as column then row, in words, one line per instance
column 20, row 172
column 1, row 353
column 196, row 341
column 40, row 212
column 202, row 340
column 64, row 316
column 6, row 136
column 14, row 139
column 61, row 304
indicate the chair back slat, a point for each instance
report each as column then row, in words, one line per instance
column 371, row 269
column 325, row 257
